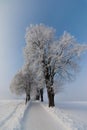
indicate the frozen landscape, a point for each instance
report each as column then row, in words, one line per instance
column 43, row 65
column 15, row 115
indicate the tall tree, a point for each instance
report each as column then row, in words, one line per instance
column 54, row 57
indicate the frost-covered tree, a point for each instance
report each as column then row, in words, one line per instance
column 17, row 85
column 37, row 81
column 28, row 81
column 54, row 58
column 21, row 84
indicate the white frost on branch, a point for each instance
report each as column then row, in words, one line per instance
column 47, row 57
column 52, row 57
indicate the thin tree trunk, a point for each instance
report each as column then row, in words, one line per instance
column 27, row 98
column 38, row 94
column 41, row 94
column 51, row 97
column 37, row 97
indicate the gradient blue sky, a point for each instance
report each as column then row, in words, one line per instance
column 16, row 15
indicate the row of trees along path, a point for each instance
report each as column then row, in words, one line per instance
column 50, row 62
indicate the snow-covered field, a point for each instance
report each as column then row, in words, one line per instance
column 14, row 115
column 76, row 113
column 71, row 114
column 11, row 113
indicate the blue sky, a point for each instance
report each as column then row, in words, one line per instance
column 16, row 15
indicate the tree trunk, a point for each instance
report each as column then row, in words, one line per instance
column 51, row 97
column 37, row 97
column 41, row 94
column 27, row 98
column 38, row 94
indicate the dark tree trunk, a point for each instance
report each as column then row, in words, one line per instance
column 38, row 94
column 41, row 94
column 37, row 97
column 27, row 98
column 49, row 80
column 51, row 97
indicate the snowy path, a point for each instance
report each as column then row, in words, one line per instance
column 37, row 118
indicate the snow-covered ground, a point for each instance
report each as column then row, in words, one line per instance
column 11, row 113
column 37, row 118
column 15, row 115
column 72, row 114
column 76, row 113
